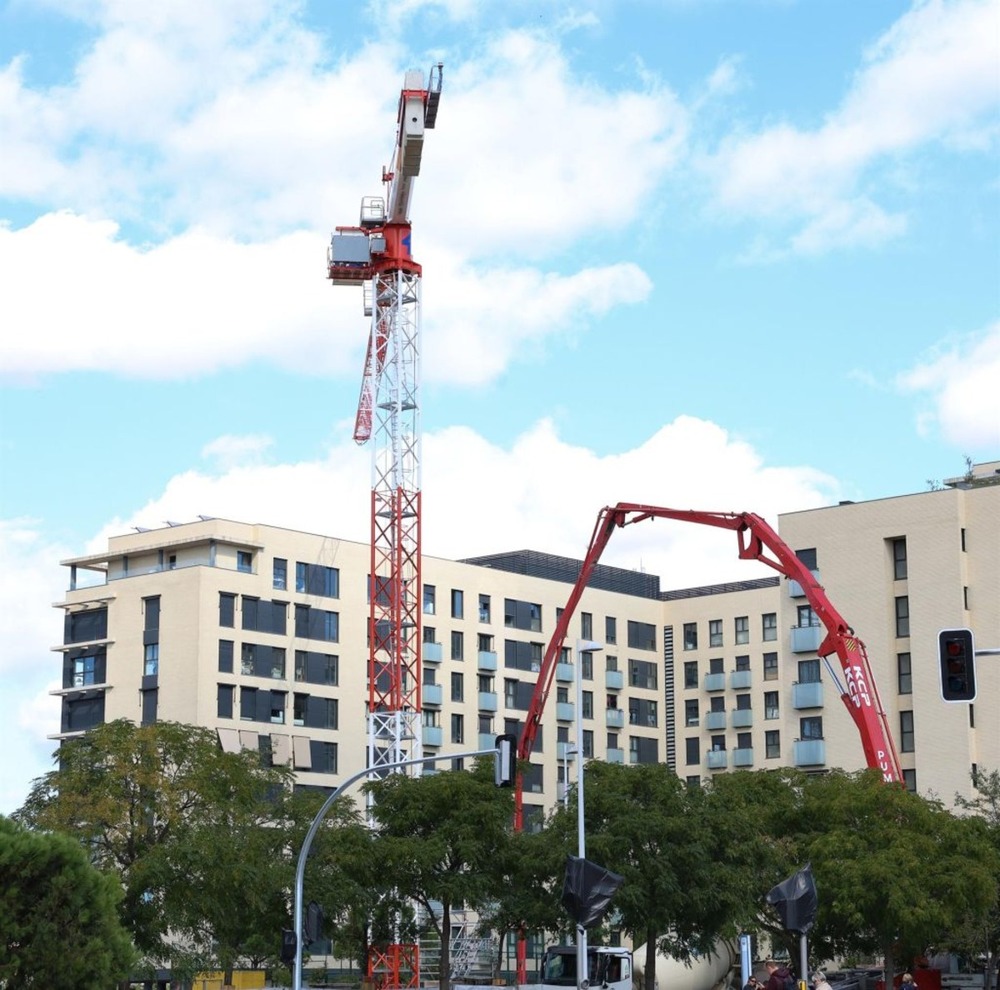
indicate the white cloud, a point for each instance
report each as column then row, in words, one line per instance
column 30, row 581
column 931, row 78
column 231, row 451
column 958, row 382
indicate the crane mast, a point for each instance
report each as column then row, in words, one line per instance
column 376, row 254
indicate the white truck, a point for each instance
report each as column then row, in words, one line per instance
column 608, row 967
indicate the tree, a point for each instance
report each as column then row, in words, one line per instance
column 163, row 808
column 979, row 931
column 893, row 869
column 58, row 915
column 681, row 860
column 434, row 833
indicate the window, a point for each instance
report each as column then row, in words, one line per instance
column 429, row 605
column 315, row 579
column 484, row 643
column 227, row 609
column 906, row 744
column 898, row 547
column 586, row 625
column 457, row 728
column 811, row 727
column 904, row 675
column 962, row 541
column 769, row 626
column 910, row 780
column 484, row 682
column 806, row 617
column 85, row 625
column 742, row 626
column 484, row 608
column 809, row 672
column 587, row 665
column 84, row 671
column 641, row 635
column 642, row 712
column 611, row 662
column 744, row 740
column 690, row 635
column 690, row 673
column 772, row 744
column 318, row 668
column 151, row 659
column 519, row 655
column 225, row 656
column 148, row 706
column 771, row 704
column 457, row 645
column 717, row 703
column 522, row 615
column 457, row 603
column 642, row 673
column 224, row 701
column 715, row 632
column 324, row 756
column 642, row 750
column 692, row 754
column 317, row 623
column 770, row 666
column 716, row 666
column 264, row 616
column 430, row 634
column 691, row 712
column 314, row 712
column 808, row 557
column 588, row 743
column 902, row 617
column 279, row 580
column 457, row 687
column 743, row 702
column 612, row 740
column 743, row 662
column 718, row 744
column 610, row 630
column 244, row 561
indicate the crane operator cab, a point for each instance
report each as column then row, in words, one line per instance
column 609, row 967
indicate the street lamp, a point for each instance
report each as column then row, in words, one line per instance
column 582, row 646
column 568, row 754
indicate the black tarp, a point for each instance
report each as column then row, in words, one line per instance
column 795, row 900
column 587, row 890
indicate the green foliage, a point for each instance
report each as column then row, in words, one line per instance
column 58, row 916
column 189, row 830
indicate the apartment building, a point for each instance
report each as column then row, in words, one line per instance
column 259, row 633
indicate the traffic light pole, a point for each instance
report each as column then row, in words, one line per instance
column 504, row 753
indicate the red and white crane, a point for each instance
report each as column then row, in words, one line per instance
column 376, row 255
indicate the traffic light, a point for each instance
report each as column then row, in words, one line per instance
column 957, row 657
column 289, row 946
column 506, row 760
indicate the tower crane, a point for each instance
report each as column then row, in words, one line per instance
column 376, row 255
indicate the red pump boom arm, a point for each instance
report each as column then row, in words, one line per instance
column 757, row 541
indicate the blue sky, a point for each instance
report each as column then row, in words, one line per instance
column 720, row 254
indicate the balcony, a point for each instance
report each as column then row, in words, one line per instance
column 432, row 652
column 432, row 694
column 715, row 759
column 742, row 718
column 565, row 751
column 807, row 695
column 564, row 672
column 806, row 639
column 743, row 757
column 565, row 711
column 740, row 679
column 795, row 589
column 809, row 752
column 614, row 680
column 487, row 701
column 714, row 682
column 614, row 718
column 487, row 660
column 433, row 736
column 715, row 721
column 487, row 740
column 616, row 755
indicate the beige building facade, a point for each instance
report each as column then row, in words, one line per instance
column 259, row 633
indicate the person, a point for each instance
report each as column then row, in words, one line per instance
column 819, row 981
column 753, row 984
column 907, row 982
column 778, row 975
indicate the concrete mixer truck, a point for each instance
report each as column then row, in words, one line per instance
column 608, row 967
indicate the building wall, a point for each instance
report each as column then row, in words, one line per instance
column 702, row 708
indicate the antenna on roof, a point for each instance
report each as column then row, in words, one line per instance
column 141, row 529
